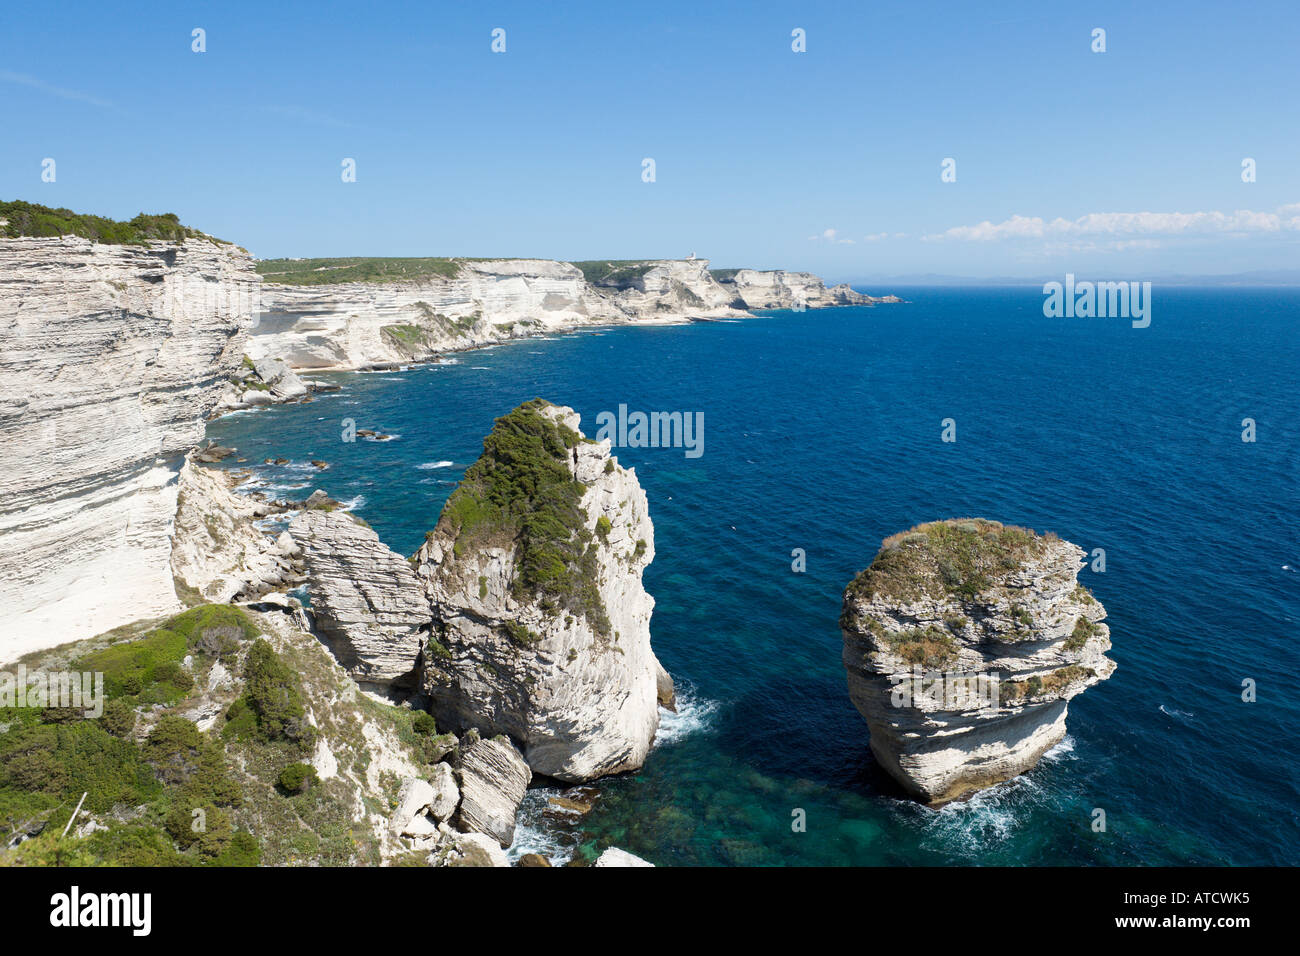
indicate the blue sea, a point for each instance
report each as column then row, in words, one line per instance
column 822, row 433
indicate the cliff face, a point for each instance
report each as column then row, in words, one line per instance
column 113, row 356
column 362, row 324
column 997, row 615
column 558, row 661
column 357, row 324
column 524, row 612
column 785, row 290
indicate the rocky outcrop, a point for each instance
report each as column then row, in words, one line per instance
column 350, row 325
column 493, row 780
column 218, row 554
column 422, row 805
column 776, row 289
column 366, row 601
column 963, row 643
column 113, row 356
column 541, row 624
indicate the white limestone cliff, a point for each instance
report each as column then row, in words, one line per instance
column 578, row 694
column 113, row 356
column 218, row 555
column 998, row 615
column 778, row 289
column 373, row 324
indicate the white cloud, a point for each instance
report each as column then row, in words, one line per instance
column 831, row 235
column 1130, row 224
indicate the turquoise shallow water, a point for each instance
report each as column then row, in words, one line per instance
column 822, row 432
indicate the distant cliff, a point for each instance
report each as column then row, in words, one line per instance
column 112, row 357
column 358, row 313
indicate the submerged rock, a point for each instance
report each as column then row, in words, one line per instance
column 963, row 644
column 541, row 623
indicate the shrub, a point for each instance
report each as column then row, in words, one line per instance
column 118, row 718
column 424, row 724
column 33, row 219
column 271, row 695
column 1083, row 631
column 298, row 777
column 521, row 490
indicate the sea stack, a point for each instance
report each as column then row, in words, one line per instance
column 964, row 642
column 541, row 627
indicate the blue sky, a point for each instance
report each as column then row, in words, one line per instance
column 759, row 151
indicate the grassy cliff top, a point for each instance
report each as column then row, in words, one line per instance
column 959, row 558
column 614, row 272
column 328, row 271
column 32, row 219
column 356, row 269
column 522, row 491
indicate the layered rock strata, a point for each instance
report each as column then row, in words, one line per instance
column 546, row 641
column 524, row 611
column 964, row 642
column 366, row 601
column 353, row 325
column 114, row 355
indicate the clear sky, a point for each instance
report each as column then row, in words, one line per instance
column 828, row 160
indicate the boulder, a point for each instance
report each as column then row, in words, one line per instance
column 413, row 800
column 365, row 599
column 493, row 779
column 616, row 857
column 446, row 792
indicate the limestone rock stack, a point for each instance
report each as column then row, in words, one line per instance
column 542, row 625
column 995, row 614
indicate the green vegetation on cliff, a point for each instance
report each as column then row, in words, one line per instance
column 618, row 273
column 956, row 558
column 522, row 491
column 32, row 219
column 168, row 796
column 355, row 269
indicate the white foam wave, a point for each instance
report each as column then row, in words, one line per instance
column 1062, row 751
column 532, row 835
column 694, row 715
column 430, row 465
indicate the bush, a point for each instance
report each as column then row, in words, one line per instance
column 33, row 219
column 424, row 724
column 118, row 718
column 521, row 490
column 271, row 698
column 298, row 777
